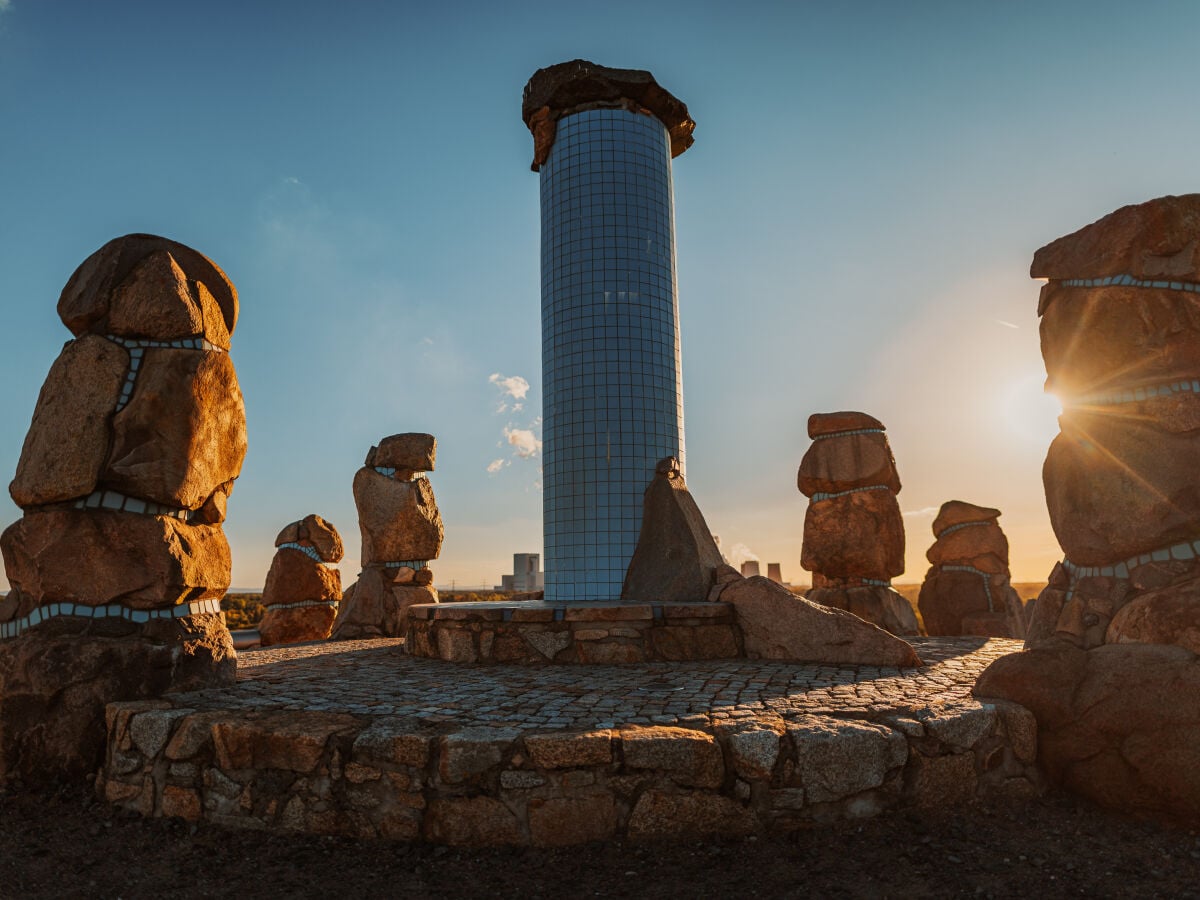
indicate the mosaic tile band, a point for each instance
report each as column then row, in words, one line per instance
column 821, row 495
column 112, row 611
column 1182, row 552
column 136, row 348
column 1135, row 395
column 310, row 552
column 116, row 501
column 1130, row 281
column 838, row 434
column 961, row 525
column 304, row 604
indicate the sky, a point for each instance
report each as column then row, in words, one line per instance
column 854, row 227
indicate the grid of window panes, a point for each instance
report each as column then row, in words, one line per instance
column 612, row 391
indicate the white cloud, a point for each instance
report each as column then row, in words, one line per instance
column 923, row 511
column 511, row 385
column 427, row 341
column 496, row 465
column 1005, row 324
column 289, row 179
column 524, row 441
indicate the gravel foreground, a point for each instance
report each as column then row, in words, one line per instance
column 65, row 843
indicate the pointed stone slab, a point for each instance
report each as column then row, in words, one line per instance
column 676, row 554
column 776, row 624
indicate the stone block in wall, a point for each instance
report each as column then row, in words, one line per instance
column 471, row 752
column 690, row 758
column 572, row 750
column 836, row 758
column 567, row 821
column 391, row 741
column 471, row 822
column 660, row 814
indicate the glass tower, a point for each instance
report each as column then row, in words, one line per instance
column 611, row 374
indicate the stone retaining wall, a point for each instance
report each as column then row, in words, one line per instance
column 336, row 773
column 538, row 633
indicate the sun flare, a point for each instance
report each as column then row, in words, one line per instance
column 1029, row 412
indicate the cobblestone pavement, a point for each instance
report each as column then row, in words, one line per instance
column 376, row 677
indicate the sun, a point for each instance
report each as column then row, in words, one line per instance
column 1028, row 413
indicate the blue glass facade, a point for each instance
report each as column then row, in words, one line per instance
column 611, row 374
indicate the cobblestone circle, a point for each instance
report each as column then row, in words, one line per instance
column 375, row 677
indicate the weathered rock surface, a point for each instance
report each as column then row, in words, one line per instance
column 579, row 84
column 413, row 451
column 87, row 299
column 1170, row 615
column 183, row 433
column 124, row 475
column 1100, row 514
column 859, row 534
column 776, row 624
column 876, row 604
column 832, row 423
column 68, row 439
column 154, row 301
column 96, row 557
column 954, row 603
column 375, row 606
column 676, row 556
column 849, row 461
column 315, row 533
column 968, row 589
column 281, row 625
column 294, row 577
column 1155, row 239
column 960, row 512
column 1136, row 336
column 56, row 680
column 399, row 520
column 1119, row 724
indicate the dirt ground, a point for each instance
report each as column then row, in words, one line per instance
column 65, row 843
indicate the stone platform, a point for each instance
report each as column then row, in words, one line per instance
column 533, row 632
column 359, row 738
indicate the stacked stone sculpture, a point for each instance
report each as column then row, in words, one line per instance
column 303, row 589
column 853, row 531
column 968, row 589
column 1110, row 668
column 676, row 556
column 118, row 563
column 401, row 532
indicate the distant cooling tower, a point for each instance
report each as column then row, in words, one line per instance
column 775, row 573
column 749, row 568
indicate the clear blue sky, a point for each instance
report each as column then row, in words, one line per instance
column 854, row 228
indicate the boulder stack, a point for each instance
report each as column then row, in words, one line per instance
column 968, row 589
column 853, row 531
column 676, row 556
column 1110, row 668
column 118, row 563
column 401, row 532
column 303, row 589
